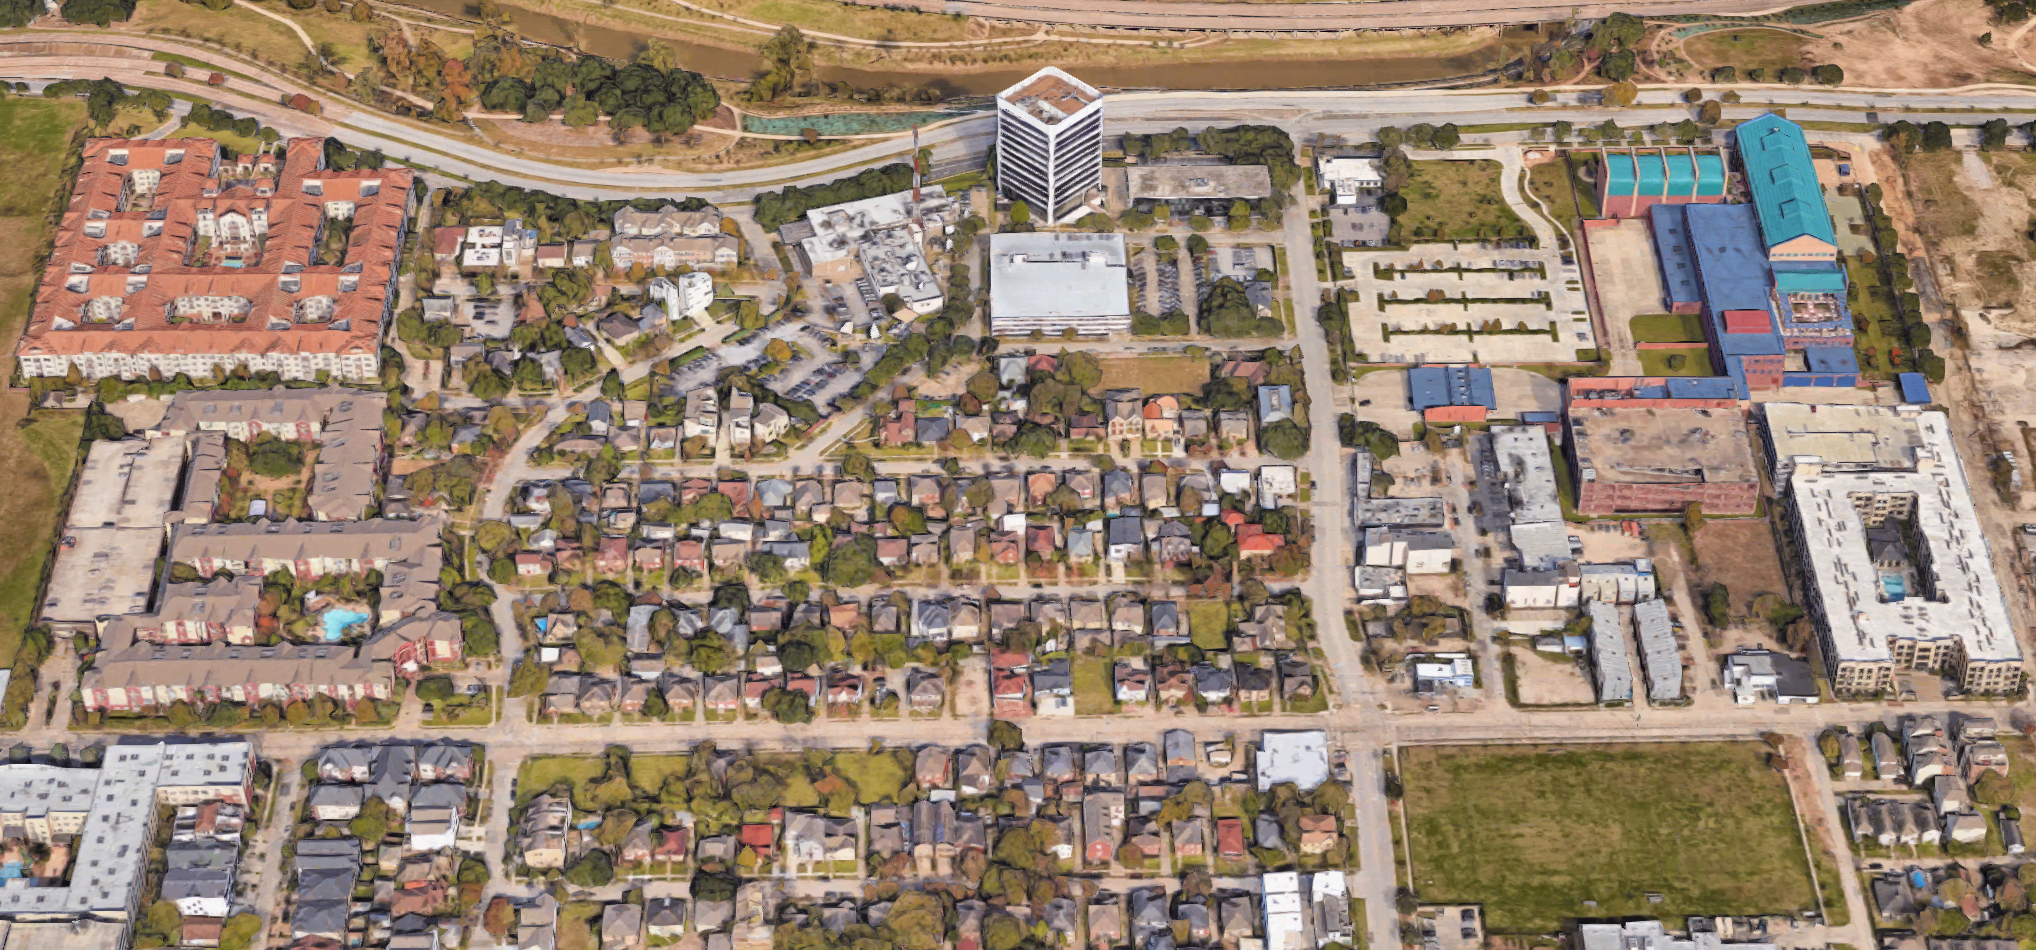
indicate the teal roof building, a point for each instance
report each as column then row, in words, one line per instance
column 1794, row 223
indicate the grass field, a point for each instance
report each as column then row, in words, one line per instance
column 650, row 771
column 1157, row 375
column 241, row 144
column 38, row 448
column 875, row 776
column 1094, row 693
column 541, row 772
column 1457, row 200
column 1549, row 181
column 1696, row 362
column 1209, row 624
column 1668, row 328
column 576, row 921
column 1532, row 832
column 1746, row 49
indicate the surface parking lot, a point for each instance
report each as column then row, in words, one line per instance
column 1565, row 314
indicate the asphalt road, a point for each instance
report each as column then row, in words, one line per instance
column 960, row 145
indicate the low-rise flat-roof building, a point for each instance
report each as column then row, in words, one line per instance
column 1529, row 472
column 1451, row 394
column 881, row 239
column 1641, row 457
column 1895, row 562
column 1609, row 655
column 1052, row 282
column 1660, row 657
column 1348, row 176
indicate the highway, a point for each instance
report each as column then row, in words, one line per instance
column 962, row 143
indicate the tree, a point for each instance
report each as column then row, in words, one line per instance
column 497, row 919
column 434, row 689
column 1284, row 439
column 372, row 824
column 1725, row 75
column 1718, row 605
column 1539, row 97
column 611, row 385
column 164, row 920
column 1993, row 789
column 1021, row 213
column 1621, row 94
column 239, row 931
column 593, row 869
column 1006, row 736
column 1619, row 66
column 1793, row 75
column 1829, row 74
column 1693, row 518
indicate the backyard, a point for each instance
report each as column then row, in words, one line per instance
column 1533, row 833
column 1457, row 200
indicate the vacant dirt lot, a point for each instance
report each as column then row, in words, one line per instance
column 1156, row 375
column 1928, row 43
column 1549, row 680
column 1741, row 555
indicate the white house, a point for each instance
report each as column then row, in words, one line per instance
column 686, row 295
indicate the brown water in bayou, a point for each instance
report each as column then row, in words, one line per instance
column 1268, row 74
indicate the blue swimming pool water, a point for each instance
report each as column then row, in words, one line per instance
column 336, row 621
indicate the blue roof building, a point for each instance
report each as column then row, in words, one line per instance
column 1432, row 386
column 1672, row 250
column 1915, row 389
column 1779, row 173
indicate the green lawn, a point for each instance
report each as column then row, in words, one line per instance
column 1755, row 48
column 876, row 776
column 1534, row 832
column 1457, row 200
column 541, row 772
column 648, row 772
column 1668, row 328
column 1094, row 693
column 1209, row 624
column 1696, row 362
column 240, row 144
column 1551, row 183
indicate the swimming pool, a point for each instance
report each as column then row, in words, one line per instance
column 337, row 620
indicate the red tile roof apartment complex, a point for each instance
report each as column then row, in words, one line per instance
column 172, row 258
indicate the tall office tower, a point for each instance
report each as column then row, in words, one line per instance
column 1049, row 142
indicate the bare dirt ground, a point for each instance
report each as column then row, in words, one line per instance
column 1973, row 222
column 1549, row 680
column 1927, row 43
column 972, row 693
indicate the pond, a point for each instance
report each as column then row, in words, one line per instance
column 337, row 620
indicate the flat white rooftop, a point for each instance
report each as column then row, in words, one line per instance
column 1058, row 275
column 1960, row 594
